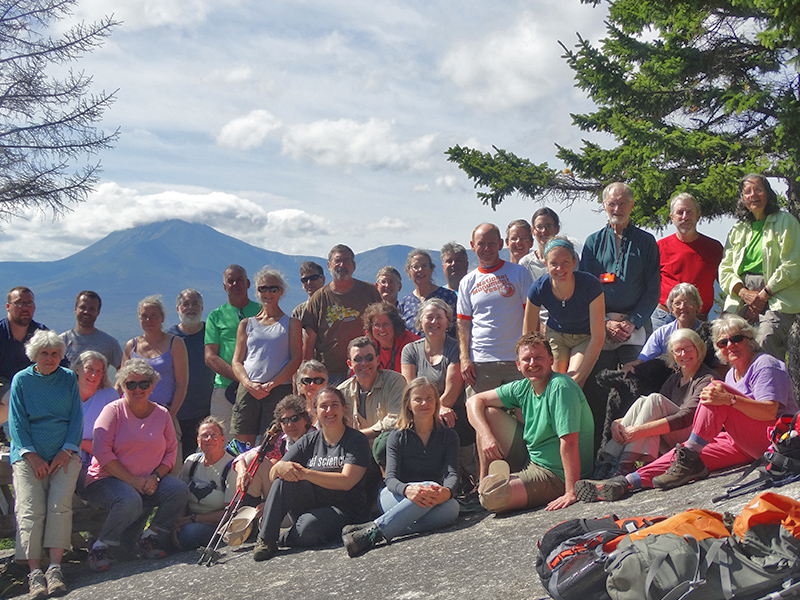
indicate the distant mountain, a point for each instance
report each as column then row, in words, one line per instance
column 165, row 258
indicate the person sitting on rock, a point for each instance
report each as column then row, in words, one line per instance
column 556, row 427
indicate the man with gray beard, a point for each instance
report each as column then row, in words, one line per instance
column 192, row 329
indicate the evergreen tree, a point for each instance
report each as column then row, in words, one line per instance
column 47, row 113
column 695, row 94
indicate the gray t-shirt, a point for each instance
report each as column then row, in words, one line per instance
column 414, row 354
column 99, row 341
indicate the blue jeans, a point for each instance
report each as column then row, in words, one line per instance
column 128, row 510
column 661, row 317
column 195, row 535
column 401, row 516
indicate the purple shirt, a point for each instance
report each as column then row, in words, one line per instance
column 766, row 380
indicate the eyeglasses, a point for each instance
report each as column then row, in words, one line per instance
column 367, row 358
column 209, row 436
column 272, row 289
column 142, row 385
column 21, row 304
column 308, row 278
column 292, row 419
column 617, row 205
column 541, row 228
column 310, row 380
column 734, row 339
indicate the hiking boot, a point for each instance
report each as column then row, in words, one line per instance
column 362, row 540
column 605, row 466
column 149, row 549
column 55, row 581
column 37, row 585
column 264, row 550
column 606, row 490
column 686, row 466
column 355, row 527
column 99, row 559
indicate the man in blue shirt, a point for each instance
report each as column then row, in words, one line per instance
column 16, row 329
column 626, row 261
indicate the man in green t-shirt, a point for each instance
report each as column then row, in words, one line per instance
column 220, row 341
column 547, row 446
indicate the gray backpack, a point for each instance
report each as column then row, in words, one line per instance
column 671, row 567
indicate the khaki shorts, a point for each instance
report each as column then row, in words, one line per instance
column 542, row 485
column 564, row 345
column 252, row 416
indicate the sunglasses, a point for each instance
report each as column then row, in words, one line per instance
column 142, row 385
column 734, row 339
column 310, row 278
column 292, row 419
column 310, row 380
column 272, row 289
column 367, row 358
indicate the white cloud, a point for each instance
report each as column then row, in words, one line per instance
column 245, row 133
column 390, row 224
column 113, row 207
column 240, row 74
column 450, row 182
column 347, row 143
column 506, row 69
column 145, row 14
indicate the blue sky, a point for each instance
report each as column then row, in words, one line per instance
column 295, row 125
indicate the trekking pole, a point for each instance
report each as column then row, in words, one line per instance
column 210, row 553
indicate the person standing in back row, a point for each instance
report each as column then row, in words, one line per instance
column 221, row 327
column 333, row 314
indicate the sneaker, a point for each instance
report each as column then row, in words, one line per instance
column 37, row 585
column 355, row 527
column 470, row 503
column 606, row 490
column 686, row 466
column 361, row 540
column 55, row 581
column 99, row 559
column 264, row 550
column 149, row 549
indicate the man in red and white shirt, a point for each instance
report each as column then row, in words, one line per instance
column 491, row 308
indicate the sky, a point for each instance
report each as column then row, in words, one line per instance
column 295, row 125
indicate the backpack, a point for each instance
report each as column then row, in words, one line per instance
column 762, row 557
column 779, row 465
column 571, row 555
column 224, row 476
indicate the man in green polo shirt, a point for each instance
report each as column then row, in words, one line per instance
column 548, row 450
column 220, row 342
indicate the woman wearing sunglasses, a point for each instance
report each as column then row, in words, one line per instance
column 134, row 448
column 730, row 425
column 292, row 421
column 268, row 352
column 312, row 376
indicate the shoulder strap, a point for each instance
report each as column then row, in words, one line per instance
column 225, row 471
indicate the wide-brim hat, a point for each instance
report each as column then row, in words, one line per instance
column 241, row 526
column 494, row 491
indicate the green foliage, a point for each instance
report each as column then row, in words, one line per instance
column 694, row 95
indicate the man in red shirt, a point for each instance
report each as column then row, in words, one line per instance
column 687, row 257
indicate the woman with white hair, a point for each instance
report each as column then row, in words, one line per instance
column 658, row 421
column 268, row 352
column 45, row 421
column 96, row 390
column 684, row 303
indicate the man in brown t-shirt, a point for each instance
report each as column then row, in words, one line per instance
column 333, row 314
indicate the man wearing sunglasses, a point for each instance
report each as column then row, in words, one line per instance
column 220, row 341
column 333, row 314
column 312, row 278
column 375, row 396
